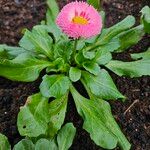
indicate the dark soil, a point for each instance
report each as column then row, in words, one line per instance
column 133, row 116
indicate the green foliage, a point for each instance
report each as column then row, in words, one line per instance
column 80, row 59
column 103, row 15
column 111, row 46
column 33, row 117
column 63, row 141
column 131, row 69
column 145, row 55
column 63, row 49
column 95, row 3
column 37, row 41
column 24, row 145
column 103, row 57
column 67, row 60
column 44, row 144
column 10, row 52
column 57, row 112
column 101, row 85
column 54, row 85
column 74, row 74
column 92, row 67
column 99, row 122
column 109, row 38
column 24, row 67
column 130, row 38
column 38, row 116
column 3, row 53
column 109, row 33
column 65, row 136
column 89, row 55
column 57, row 65
column 4, row 144
column 145, row 18
column 52, row 12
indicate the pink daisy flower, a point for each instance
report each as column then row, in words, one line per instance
column 79, row 19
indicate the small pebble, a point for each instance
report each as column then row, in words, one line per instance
column 17, row 1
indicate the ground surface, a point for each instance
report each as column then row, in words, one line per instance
column 134, row 121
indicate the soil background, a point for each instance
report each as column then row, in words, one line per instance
column 135, row 123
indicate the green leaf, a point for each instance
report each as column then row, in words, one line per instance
column 99, row 122
column 24, row 145
column 10, row 52
column 108, row 38
column 44, row 144
column 74, row 74
column 79, row 58
column 111, row 32
column 65, row 136
column 103, row 15
column 4, row 144
column 111, row 46
column 130, row 38
column 103, row 57
column 39, row 117
column 145, row 18
column 58, row 65
column 89, row 111
column 54, row 85
column 95, row 3
column 107, row 118
column 33, row 117
column 145, row 55
column 80, row 44
column 123, row 40
column 89, row 55
column 63, row 49
column 52, row 11
column 41, row 144
column 38, row 41
column 91, row 40
column 53, row 31
column 101, row 85
column 23, row 68
column 131, row 69
column 57, row 112
column 92, row 67
column 3, row 53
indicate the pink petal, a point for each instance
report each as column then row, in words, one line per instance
column 82, row 9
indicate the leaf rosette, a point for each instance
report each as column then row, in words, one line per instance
column 65, row 61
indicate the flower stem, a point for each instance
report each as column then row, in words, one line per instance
column 74, row 49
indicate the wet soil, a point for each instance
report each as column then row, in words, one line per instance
column 133, row 115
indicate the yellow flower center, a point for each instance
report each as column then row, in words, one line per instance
column 79, row 20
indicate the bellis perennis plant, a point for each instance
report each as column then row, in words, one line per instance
column 72, row 46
